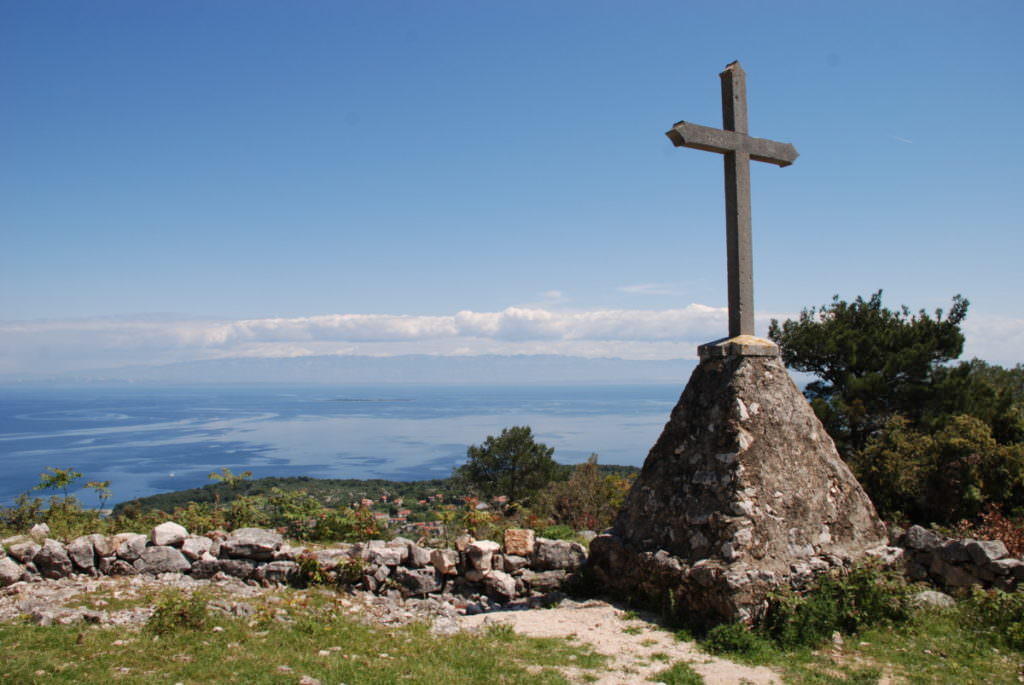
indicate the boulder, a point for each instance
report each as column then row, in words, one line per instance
column 419, row 557
column 954, row 551
column 39, row 532
column 10, row 571
column 922, row 539
column 550, row 555
column 544, row 581
column 418, row 582
column 932, row 598
column 103, row 545
column 168, row 534
column 519, row 541
column 195, row 546
column 510, row 563
column 238, row 568
column 130, row 545
column 446, row 561
column 52, row 560
column 387, row 556
column 282, row 572
column 480, row 554
column 499, row 586
column 23, row 551
column 82, row 553
column 112, row 566
column 986, row 551
column 161, row 559
column 251, row 543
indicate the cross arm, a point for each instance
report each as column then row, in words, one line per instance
column 685, row 134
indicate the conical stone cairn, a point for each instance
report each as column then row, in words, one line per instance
column 743, row 493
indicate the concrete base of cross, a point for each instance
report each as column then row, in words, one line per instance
column 739, row 346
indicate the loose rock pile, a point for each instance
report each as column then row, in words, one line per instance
column 957, row 563
column 482, row 572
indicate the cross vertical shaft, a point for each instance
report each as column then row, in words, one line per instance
column 738, row 148
column 738, row 240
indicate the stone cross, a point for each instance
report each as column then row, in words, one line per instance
column 739, row 148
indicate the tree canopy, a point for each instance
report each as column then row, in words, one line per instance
column 512, row 464
column 930, row 441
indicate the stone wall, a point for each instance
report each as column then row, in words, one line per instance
column 526, row 568
column 957, row 563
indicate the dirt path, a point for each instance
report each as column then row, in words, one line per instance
column 638, row 647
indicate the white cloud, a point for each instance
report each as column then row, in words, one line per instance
column 649, row 289
column 80, row 344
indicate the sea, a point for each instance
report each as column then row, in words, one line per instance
column 149, row 440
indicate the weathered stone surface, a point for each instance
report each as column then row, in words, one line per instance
column 550, row 555
column 130, row 545
column 519, row 541
column 52, row 560
column 931, row 598
column 499, row 586
column 112, row 566
column 23, row 551
column 208, row 568
column 82, row 553
column 10, row 571
column 103, row 545
column 388, row 556
column 745, row 480
column 918, row 538
column 952, row 576
column 282, row 572
column 510, row 563
column 954, row 551
column 251, row 543
column 418, row 582
column 196, row 546
column 402, row 545
column 161, row 559
column 39, row 532
column 544, row 581
column 984, row 551
column 168, row 533
column 446, row 561
column 419, row 557
column 480, row 554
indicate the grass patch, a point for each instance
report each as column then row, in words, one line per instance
column 680, row 673
column 301, row 635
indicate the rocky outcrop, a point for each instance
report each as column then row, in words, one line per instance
column 742, row 493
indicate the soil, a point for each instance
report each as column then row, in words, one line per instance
column 638, row 646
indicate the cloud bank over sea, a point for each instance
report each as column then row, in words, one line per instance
column 56, row 346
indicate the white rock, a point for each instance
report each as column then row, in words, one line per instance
column 168, row 534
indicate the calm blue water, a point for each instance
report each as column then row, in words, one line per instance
column 150, row 440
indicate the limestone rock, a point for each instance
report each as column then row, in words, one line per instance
column 39, row 532
column 238, row 568
column 985, row 551
column 282, row 572
column 544, row 581
column 931, row 598
column 922, row 539
column 742, row 484
column 519, row 541
column 82, row 553
column 551, row 555
column 500, row 586
column 23, row 551
column 161, row 559
column 52, row 560
column 418, row 582
column 251, row 543
column 480, row 554
column 419, row 557
column 10, row 571
column 195, row 546
column 169, row 534
column 445, row 561
column 103, row 545
column 130, row 545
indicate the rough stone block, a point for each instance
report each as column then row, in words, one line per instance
column 446, row 561
column 985, row 551
column 918, row 538
column 251, row 543
column 52, row 560
column 480, row 554
column 549, row 555
column 418, row 582
column 519, row 541
column 169, row 534
column 82, row 553
column 499, row 586
column 10, row 571
column 161, row 559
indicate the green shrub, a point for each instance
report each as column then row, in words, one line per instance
column 176, row 611
column 998, row 615
column 736, row 640
column 557, row 532
column 843, row 602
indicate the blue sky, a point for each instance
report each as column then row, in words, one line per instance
column 213, row 179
